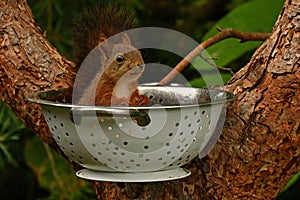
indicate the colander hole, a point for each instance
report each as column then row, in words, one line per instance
column 109, row 159
column 131, row 160
column 54, row 116
column 72, row 151
column 169, row 152
column 173, row 158
column 182, row 150
column 160, row 100
column 167, row 144
column 198, row 121
column 176, row 124
column 147, row 159
column 93, row 145
column 186, row 145
column 146, row 147
column 127, row 167
column 92, row 134
column 106, row 149
column 67, row 134
column 189, row 125
column 80, row 157
column 188, row 156
column 160, row 159
column 122, row 154
column 178, row 147
column 61, row 124
column 151, row 97
column 71, row 144
column 120, row 125
column 194, row 139
column 58, row 137
column 179, row 159
column 96, row 159
column 170, row 134
column 207, row 116
column 201, row 127
column 102, row 120
column 195, row 113
column 63, row 148
column 181, row 133
column 125, row 143
column 116, row 167
column 192, row 133
column 117, row 148
column 114, row 153
column 170, row 165
column 48, row 111
column 109, row 128
column 186, row 117
column 203, row 112
column 164, row 163
column 99, row 153
column 121, row 162
column 209, row 122
column 138, row 165
column 117, row 135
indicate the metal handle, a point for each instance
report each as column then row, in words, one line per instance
column 141, row 116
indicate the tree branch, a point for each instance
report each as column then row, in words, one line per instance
column 222, row 35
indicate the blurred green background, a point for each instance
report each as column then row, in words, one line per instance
column 30, row 169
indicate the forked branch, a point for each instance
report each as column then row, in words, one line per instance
column 222, row 35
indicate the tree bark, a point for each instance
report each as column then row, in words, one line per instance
column 258, row 150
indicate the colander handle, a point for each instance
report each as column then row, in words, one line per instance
column 140, row 116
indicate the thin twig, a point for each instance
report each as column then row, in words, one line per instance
column 214, row 65
column 222, row 35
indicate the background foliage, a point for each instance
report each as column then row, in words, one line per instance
column 38, row 172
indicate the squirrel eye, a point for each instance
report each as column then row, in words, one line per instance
column 120, row 58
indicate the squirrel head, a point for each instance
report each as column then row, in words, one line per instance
column 124, row 61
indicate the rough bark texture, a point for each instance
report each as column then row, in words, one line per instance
column 258, row 150
column 28, row 64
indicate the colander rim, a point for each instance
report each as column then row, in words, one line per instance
column 34, row 98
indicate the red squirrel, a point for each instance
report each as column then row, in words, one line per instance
column 116, row 80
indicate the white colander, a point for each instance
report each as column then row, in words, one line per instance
column 137, row 144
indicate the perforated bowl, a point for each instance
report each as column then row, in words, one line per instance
column 179, row 124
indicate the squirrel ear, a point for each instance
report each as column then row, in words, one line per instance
column 102, row 38
column 125, row 39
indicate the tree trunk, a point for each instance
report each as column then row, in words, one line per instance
column 258, row 150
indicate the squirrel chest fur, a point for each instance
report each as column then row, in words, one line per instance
column 114, row 80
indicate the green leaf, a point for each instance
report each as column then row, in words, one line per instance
column 208, row 73
column 253, row 16
column 292, row 181
column 53, row 172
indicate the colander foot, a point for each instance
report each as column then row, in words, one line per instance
column 164, row 175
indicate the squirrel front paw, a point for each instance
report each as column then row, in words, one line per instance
column 138, row 100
